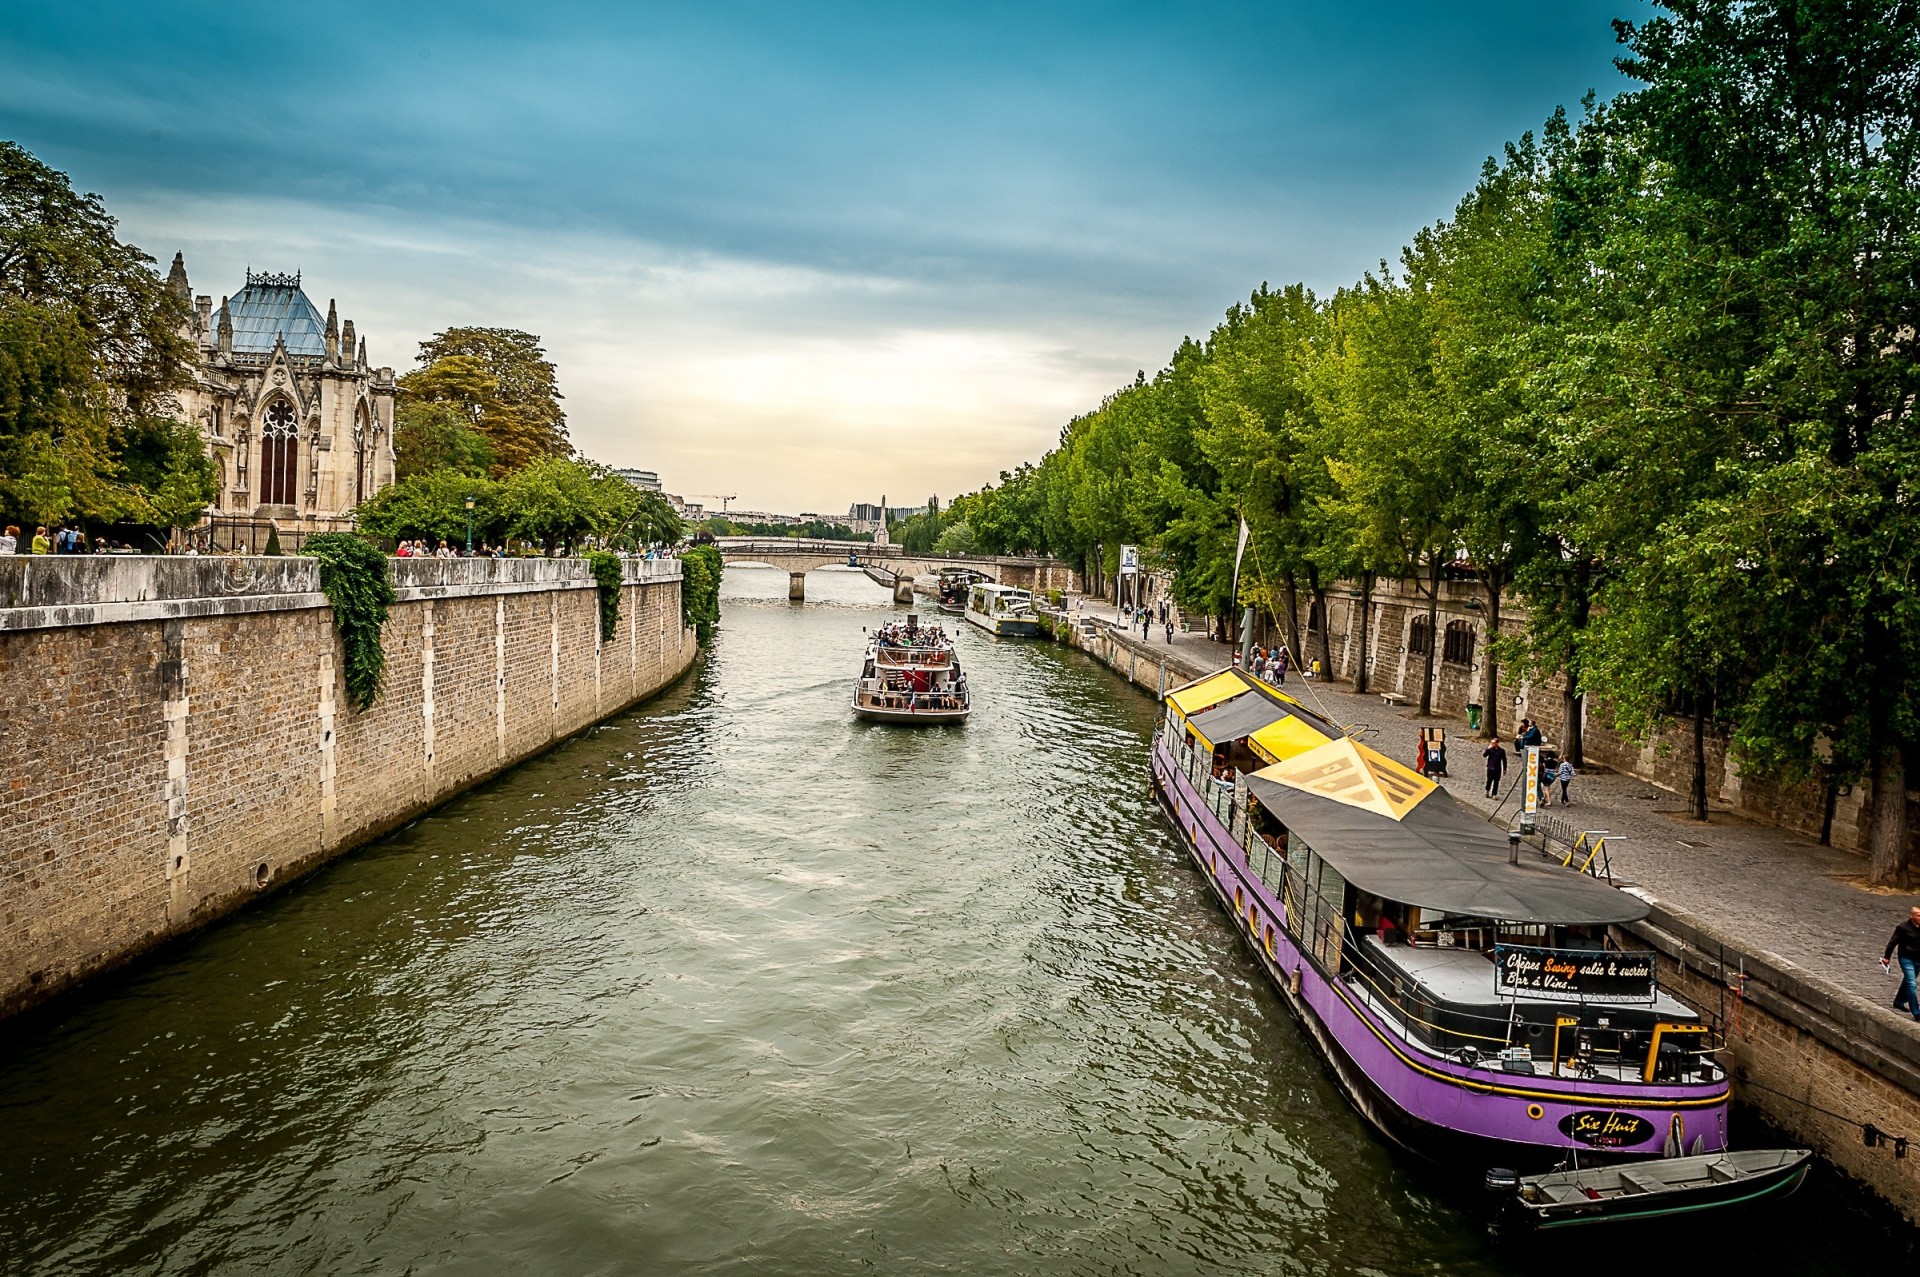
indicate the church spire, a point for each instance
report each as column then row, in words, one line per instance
column 177, row 279
column 226, row 328
column 362, row 363
column 333, row 333
column 346, row 342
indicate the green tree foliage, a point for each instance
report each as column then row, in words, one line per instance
column 91, row 348
column 431, row 435
column 1657, row 372
column 956, row 538
column 433, row 507
column 558, row 503
column 501, row 385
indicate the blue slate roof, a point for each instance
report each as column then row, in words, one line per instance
column 274, row 305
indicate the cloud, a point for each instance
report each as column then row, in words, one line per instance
column 760, row 239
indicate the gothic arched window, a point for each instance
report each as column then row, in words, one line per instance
column 279, row 454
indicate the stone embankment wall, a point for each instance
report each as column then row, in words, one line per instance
column 1812, row 1058
column 175, row 735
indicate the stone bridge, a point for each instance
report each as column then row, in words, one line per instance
column 889, row 565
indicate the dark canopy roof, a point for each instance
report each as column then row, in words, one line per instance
column 1441, row 856
column 1241, row 716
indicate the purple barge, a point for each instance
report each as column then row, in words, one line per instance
column 1472, row 1007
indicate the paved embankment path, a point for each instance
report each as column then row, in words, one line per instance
column 1777, row 892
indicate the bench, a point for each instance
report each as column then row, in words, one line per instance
column 1639, row 1184
column 1393, row 699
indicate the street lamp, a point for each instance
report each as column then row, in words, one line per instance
column 469, row 527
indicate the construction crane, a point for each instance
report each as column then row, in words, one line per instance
column 726, row 503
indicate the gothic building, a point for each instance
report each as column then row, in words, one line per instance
column 299, row 427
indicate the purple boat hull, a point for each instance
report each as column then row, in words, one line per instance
column 1433, row 1106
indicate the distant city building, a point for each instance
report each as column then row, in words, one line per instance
column 299, row 426
column 645, row 480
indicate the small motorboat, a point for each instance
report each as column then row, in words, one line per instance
column 1654, row 1189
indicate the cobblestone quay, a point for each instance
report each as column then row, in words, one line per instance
column 175, row 736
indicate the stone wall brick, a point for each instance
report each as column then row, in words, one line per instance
column 155, row 774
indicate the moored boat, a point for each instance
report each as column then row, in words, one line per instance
column 1476, row 1009
column 1002, row 610
column 911, row 675
column 1649, row 1190
column 953, row 588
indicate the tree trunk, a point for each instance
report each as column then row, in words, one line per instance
column 1887, row 835
column 1490, row 690
column 1366, row 619
column 1697, row 791
column 1319, row 595
column 1294, row 651
column 1433, row 639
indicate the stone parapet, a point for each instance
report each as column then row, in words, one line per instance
column 58, row 591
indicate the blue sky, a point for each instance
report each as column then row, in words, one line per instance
column 801, row 253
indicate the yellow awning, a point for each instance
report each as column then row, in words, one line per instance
column 1348, row 772
column 1277, row 742
column 1207, row 693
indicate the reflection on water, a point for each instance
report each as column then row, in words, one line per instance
column 738, row 983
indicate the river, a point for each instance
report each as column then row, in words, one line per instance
column 736, row 984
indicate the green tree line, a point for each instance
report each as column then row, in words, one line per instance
column 1656, row 373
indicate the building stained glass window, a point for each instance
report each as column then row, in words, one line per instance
column 279, row 454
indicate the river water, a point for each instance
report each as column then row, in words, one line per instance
column 736, row 984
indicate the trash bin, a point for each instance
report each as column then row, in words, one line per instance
column 1473, row 716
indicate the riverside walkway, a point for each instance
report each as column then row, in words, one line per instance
column 1798, row 903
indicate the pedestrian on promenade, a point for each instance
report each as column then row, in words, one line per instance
column 40, row 543
column 10, row 540
column 1259, row 663
column 1496, row 756
column 1169, row 631
column 1281, row 659
column 1906, row 942
column 1564, row 774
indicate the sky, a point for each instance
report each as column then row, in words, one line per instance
column 800, row 254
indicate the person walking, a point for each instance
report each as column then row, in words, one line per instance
column 1169, row 630
column 1496, row 756
column 1905, row 941
column 1281, row 659
column 10, row 540
column 1564, row 774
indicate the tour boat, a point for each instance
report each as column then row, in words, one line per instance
column 1478, row 1008
column 911, row 675
column 1002, row 610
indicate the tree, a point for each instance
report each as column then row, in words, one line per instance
column 559, row 502
column 433, row 507
column 1787, row 136
column 502, row 383
column 435, row 435
column 957, row 538
column 91, row 348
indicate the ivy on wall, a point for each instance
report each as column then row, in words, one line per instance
column 700, row 569
column 355, row 577
column 609, row 577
